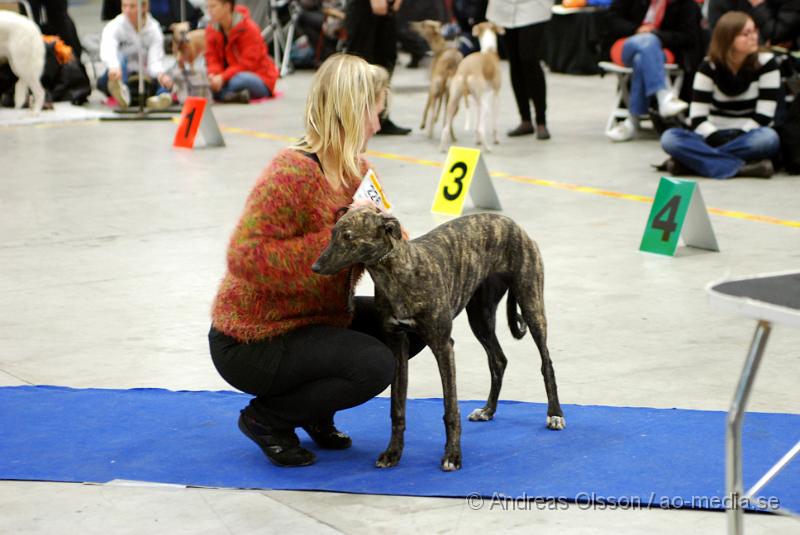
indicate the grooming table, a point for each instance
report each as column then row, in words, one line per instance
column 768, row 299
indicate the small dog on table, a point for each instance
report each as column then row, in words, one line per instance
column 423, row 284
column 21, row 46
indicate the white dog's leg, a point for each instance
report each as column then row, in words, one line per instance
column 495, row 113
column 485, row 120
column 38, row 95
column 20, row 94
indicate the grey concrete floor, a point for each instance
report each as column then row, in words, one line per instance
column 112, row 244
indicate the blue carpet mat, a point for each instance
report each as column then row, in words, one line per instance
column 606, row 455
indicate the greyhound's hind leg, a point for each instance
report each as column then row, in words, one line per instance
column 531, row 303
column 481, row 311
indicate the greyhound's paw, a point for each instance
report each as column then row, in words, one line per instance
column 556, row 423
column 388, row 459
column 481, row 415
column 451, row 462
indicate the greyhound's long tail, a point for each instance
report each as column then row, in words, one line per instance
column 515, row 322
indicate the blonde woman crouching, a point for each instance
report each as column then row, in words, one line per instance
column 297, row 341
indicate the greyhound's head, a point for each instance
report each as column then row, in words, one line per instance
column 487, row 33
column 363, row 235
column 180, row 36
column 430, row 30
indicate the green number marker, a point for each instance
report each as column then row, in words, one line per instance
column 667, row 216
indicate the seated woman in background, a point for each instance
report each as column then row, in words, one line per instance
column 236, row 57
column 736, row 92
column 645, row 35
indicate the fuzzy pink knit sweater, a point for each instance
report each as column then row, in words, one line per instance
column 269, row 288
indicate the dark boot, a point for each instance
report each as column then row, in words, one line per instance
column 237, row 97
column 676, row 168
column 525, row 128
column 325, row 434
column 388, row 128
column 542, row 133
column 281, row 446
column 759, row 169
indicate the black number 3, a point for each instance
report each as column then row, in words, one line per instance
column 463, row 168
column 665, row 218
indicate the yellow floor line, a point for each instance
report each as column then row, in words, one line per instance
column 535, row 181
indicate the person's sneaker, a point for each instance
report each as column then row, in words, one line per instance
column 325, row 434
column 622, row 131
column 671, row 106
column 525, row 128
column 758, row 169
column 282, row 447
column 161, row 101
column 120, row 92
column 388, row 128
column 237, row 97
column 542, row 133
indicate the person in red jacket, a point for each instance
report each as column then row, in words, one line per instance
column 239, row 67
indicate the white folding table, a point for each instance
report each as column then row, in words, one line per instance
column 771, row 298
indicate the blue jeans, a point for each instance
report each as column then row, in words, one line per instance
column 102, row 80
column 691, row 149
column 245, row 80
column 642, row 52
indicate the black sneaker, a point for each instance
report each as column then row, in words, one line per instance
column 325, row 434
column 282, row 447
column 388, row 128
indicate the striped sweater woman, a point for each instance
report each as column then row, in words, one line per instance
column 743, row 101
column 735, row 95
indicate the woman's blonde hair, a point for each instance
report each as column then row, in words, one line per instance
column 344, row 89
column 720, row 49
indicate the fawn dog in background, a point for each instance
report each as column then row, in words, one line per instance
column 445, row 61
column 187, row 45
column 423, row 284
column 478, row 76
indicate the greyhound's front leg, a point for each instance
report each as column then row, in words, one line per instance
column 452, row 417
column 391, row 456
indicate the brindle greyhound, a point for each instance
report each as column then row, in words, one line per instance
column 423, row 284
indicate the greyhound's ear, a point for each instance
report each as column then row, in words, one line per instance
column 476, row 32
column 392, row 227
column 499, row 30
column 340, row 212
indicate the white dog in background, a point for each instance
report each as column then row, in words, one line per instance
column 22, row 47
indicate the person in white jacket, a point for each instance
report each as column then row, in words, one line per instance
column 119, row 51
column 525, row 22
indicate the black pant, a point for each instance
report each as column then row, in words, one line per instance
column 525, row 46
column 311, row 372
column 373, row 37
